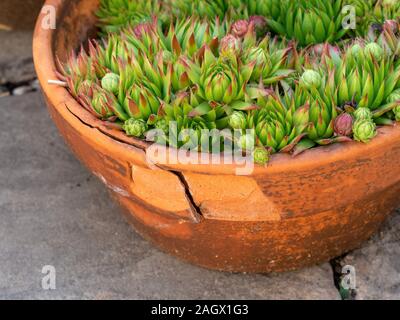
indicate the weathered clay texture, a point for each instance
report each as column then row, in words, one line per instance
column 294, row 213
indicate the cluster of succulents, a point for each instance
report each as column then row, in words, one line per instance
column 284, row 70
column 114, row 15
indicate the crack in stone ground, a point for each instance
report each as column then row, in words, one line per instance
column 18, row 88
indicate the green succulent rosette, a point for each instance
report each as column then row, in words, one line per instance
column 218, row 80
column 310, row 21
column 110, row 82
column 278, row 125
column 364, row 130
column 261, row 156
column 268, row 8
column 186, row 113
column 271, row 62
column 310, row 79
column 114, row 15
column 238, row 120
column 135, row 127
column 363, row 113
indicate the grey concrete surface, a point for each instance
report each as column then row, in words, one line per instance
column 16, row 63
column 54, row 212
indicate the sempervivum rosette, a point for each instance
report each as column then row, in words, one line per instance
column 310, row 21
column 188, row 36
column 220, row 81
column 188, row 117
column 116, row 14
column 271, row 61
column 267, row 8
column 279, row 125
column 374, row 76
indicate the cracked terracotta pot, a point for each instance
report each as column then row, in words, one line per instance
column 295, row 213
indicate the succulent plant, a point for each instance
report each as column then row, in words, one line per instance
column 310, row 79
column 361, row 78
column 187, row 113
column 310, row 21
column 363, row 113
column 391, row 25
column 364, row 130
column 238, row 120
column 372, row 14
column 396, row 111
column 188, row 36
column 247, row 142
column 218, row 80
column 240, row 28
column 208, row 8
column 261, row 156
column 375, row 50
column 98, row 101
column 387, row 37
column 343, row 125
column 279, row 124
column 322, row 119
column 363, row 8
column 268, row 8
column 394, row 96
column 323, row 108
column 116, row 14
column 110, row 82
column 184, row 66
column 385, row 10
column 135, row 128
column 230, row 47
column 260, row 25
column 271, row 61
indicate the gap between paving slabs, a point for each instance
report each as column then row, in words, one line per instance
column 19, row 88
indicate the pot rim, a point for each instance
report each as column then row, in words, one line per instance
column 80, row 119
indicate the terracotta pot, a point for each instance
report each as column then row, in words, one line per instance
column 295, row 213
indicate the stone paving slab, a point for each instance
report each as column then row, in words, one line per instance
column 377, row 263
column 16, row 65
column 54, row 212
